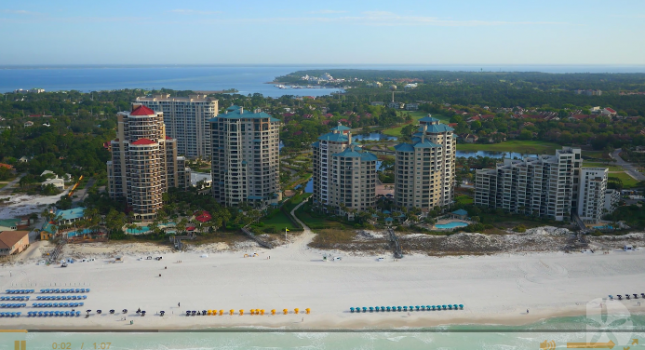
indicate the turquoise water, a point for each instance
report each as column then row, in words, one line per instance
column 452, row 224
column 608, row 227
column 144, row 229
column 559, row 330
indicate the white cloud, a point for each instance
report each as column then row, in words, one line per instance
column 194, row 12
column 326, row 12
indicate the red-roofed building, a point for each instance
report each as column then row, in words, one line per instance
column 203, row 216
column 142, row 142
column 157, row 168
column 453, row 125
column 581, row 116
column 608, row 111
column 142, row 110
column 325, row 122
column 6, row 166
column 329, row 115
column 308, row 116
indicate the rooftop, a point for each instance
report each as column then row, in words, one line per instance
column 235, row 112
column 335, row 137
column 9, row 238
column 71, row 214
column 142, row 110
column 141, row 142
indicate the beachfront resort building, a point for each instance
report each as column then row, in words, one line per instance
column 13, row 242
column 245, row 164
column 144, row 161
column 591, row 197
column 186, row 120
column 544, row 185
column 425, row 169
column 344, row 174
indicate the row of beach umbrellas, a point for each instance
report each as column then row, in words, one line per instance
column 13, row 305
column 53, row 313
column 15, row 298
column 627, row 296
column 62, row 297
column 65, row 290
column 241, row 312
column 10, row 314
column 19, row 291
column 407, row 308
column 57, row 304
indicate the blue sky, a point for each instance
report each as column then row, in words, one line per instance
column 322, row 32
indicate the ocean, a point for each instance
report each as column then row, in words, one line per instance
column 247, row 79
column 557, row 331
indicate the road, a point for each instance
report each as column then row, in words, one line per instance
column 82, row 193
column 13, row 182
column 629, row 169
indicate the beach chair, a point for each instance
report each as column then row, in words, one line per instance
column 405, row 308
column 382, row 308
column 99, row 312
column 635, row 296
column 399, row 308
column 371, row 309
column 627, row 296
column 143, row 313
column 78, row 313
column 67, row 313
column 351, row 309
column 87, row 290
column 84, row 297
column 161, row 313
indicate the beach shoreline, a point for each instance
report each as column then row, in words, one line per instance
column 494, row 289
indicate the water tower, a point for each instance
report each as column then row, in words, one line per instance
column 393, row 89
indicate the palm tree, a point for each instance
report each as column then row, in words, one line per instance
column 132, row 227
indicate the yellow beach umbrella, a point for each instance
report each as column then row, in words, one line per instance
column 273, row 312
column 232, row 311
column 252, row 312
column 262, row 312
column 285, row 311
column 221, row 312
column 241, row 312
column 296, row 310
column 209, row 312
column 308, row 310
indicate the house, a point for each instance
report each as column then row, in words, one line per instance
column 308, row 116
column 396, row 105
column 68, row 216
column 13, row 242
column 28, row 124
column 608, row 112
column 23, row 159
column 9, row 224
column 58, row 183
column 6, row 166
column 469, row 138
column 411, row 106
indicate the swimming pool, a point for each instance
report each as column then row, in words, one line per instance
column 452, row 224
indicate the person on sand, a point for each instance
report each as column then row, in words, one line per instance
column 527, row 311
column 178, row 304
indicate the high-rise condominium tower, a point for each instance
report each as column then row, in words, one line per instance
column 592, row 194
column 245, row 157
column 186, row 120
column 425, row 169
column 545, row 186
column 344, row 175
column 144, row 162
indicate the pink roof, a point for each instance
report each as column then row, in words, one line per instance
column 141, row 142
column 610, row 110
column 203, row 217
column 168, row 138
column 142, row 110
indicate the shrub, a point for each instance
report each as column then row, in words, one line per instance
column 520, row 228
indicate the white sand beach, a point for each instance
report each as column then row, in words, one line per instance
column 496, row 289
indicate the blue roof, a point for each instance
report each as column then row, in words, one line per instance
column 428, row 119
column 335, row 137
column 436, row 128
column 353, row 151
column 71, row 214
column 340, row 128
column 315, row 144
column 389, row 219
column 404, row 147
column 234, row 112
column 425, row 144
column 460, row 212
column 386, row 211
column 49, row 228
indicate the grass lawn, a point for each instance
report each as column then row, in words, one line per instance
column 628, row 181
column 519, row 146
column 396, row 130
column 463, row 199
column 279, row 221
column 317, row 221
column 602, row 165
column 297, row 199
column 595, row 154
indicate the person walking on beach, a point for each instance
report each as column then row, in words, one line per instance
column 527, row 311
column 178, row 304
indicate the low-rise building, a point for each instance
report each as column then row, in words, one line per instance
column 13, row 242
column 411, row 106
column 377, row 103
column 396, row 105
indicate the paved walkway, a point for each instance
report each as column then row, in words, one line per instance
column 629, row 169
